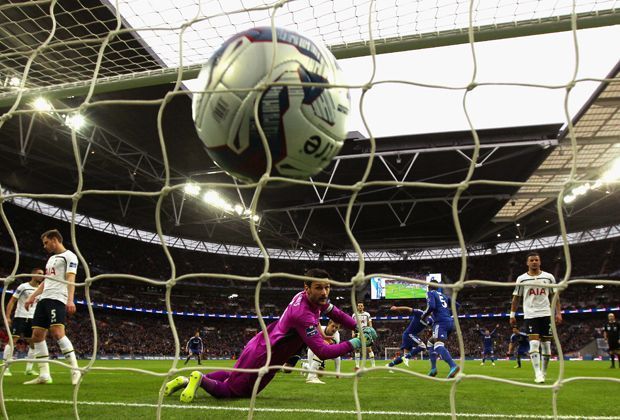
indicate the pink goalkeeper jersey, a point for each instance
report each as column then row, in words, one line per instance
column 297, row 325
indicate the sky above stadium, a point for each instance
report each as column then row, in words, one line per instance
column 545, row 59
column 393, row 109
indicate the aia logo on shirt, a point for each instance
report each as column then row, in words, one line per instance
column 537, row 292
column 50, row 271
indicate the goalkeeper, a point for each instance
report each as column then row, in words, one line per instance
column 298, row 325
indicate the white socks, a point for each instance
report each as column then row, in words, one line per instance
column 8, row 352
column 313, row 365
column 545, row 350
column 371, row 356
column 29, row 356
column 67, row 350
column 41, row 352
column 535, row 356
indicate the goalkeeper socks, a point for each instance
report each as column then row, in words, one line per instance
column 396, row 361
column 357, row 360
column 445, row 354
column 371, row 355
column 41, row 352
column 8, row 352
column 67, row 350
column 30, row 356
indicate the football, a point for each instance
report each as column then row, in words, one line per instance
column 305, row 126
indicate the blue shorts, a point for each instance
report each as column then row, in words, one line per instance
column 488, row 351
column 195, row 351
column 523, row 352
column 410, row 341
column 442, row 329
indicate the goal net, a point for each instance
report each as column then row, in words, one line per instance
column 62, row 59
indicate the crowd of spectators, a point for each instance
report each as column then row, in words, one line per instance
column 124, row 333
column 121, row 333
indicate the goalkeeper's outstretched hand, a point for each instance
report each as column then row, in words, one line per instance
column 369, row 333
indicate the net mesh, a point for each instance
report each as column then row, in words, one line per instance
column 49, row 55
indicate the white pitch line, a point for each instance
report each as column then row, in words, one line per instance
column 309, row 410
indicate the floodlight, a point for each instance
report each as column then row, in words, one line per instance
column 75, row 121
column 191, row 189
column 42, row 105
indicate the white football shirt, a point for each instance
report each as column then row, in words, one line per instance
column 22, row 293
column 364, row 318
column 535, row 297
column 57, row 267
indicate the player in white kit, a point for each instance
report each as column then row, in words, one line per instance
column 536, row 312
column 366, row 321
column 331, row 334
column 21, row 324
column 55, row 302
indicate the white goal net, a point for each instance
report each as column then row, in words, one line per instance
column 75, row 53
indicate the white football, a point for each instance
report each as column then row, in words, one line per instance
column 305, row 126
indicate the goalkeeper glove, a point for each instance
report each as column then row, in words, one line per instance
column 356, row 343
column 370, row 334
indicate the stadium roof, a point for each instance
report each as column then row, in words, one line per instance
column 120, row 150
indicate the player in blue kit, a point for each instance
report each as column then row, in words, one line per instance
column 438, row 305
column 521, row 342
column 487, row 343
column 194, row 347
column 412, row 344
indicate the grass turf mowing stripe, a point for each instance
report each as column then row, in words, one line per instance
column 309, row 410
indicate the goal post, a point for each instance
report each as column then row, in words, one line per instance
column 103, row 68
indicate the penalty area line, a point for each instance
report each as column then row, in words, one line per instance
column 308, row 410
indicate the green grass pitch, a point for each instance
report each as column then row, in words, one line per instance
column 401, row 291
column 383, row 395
